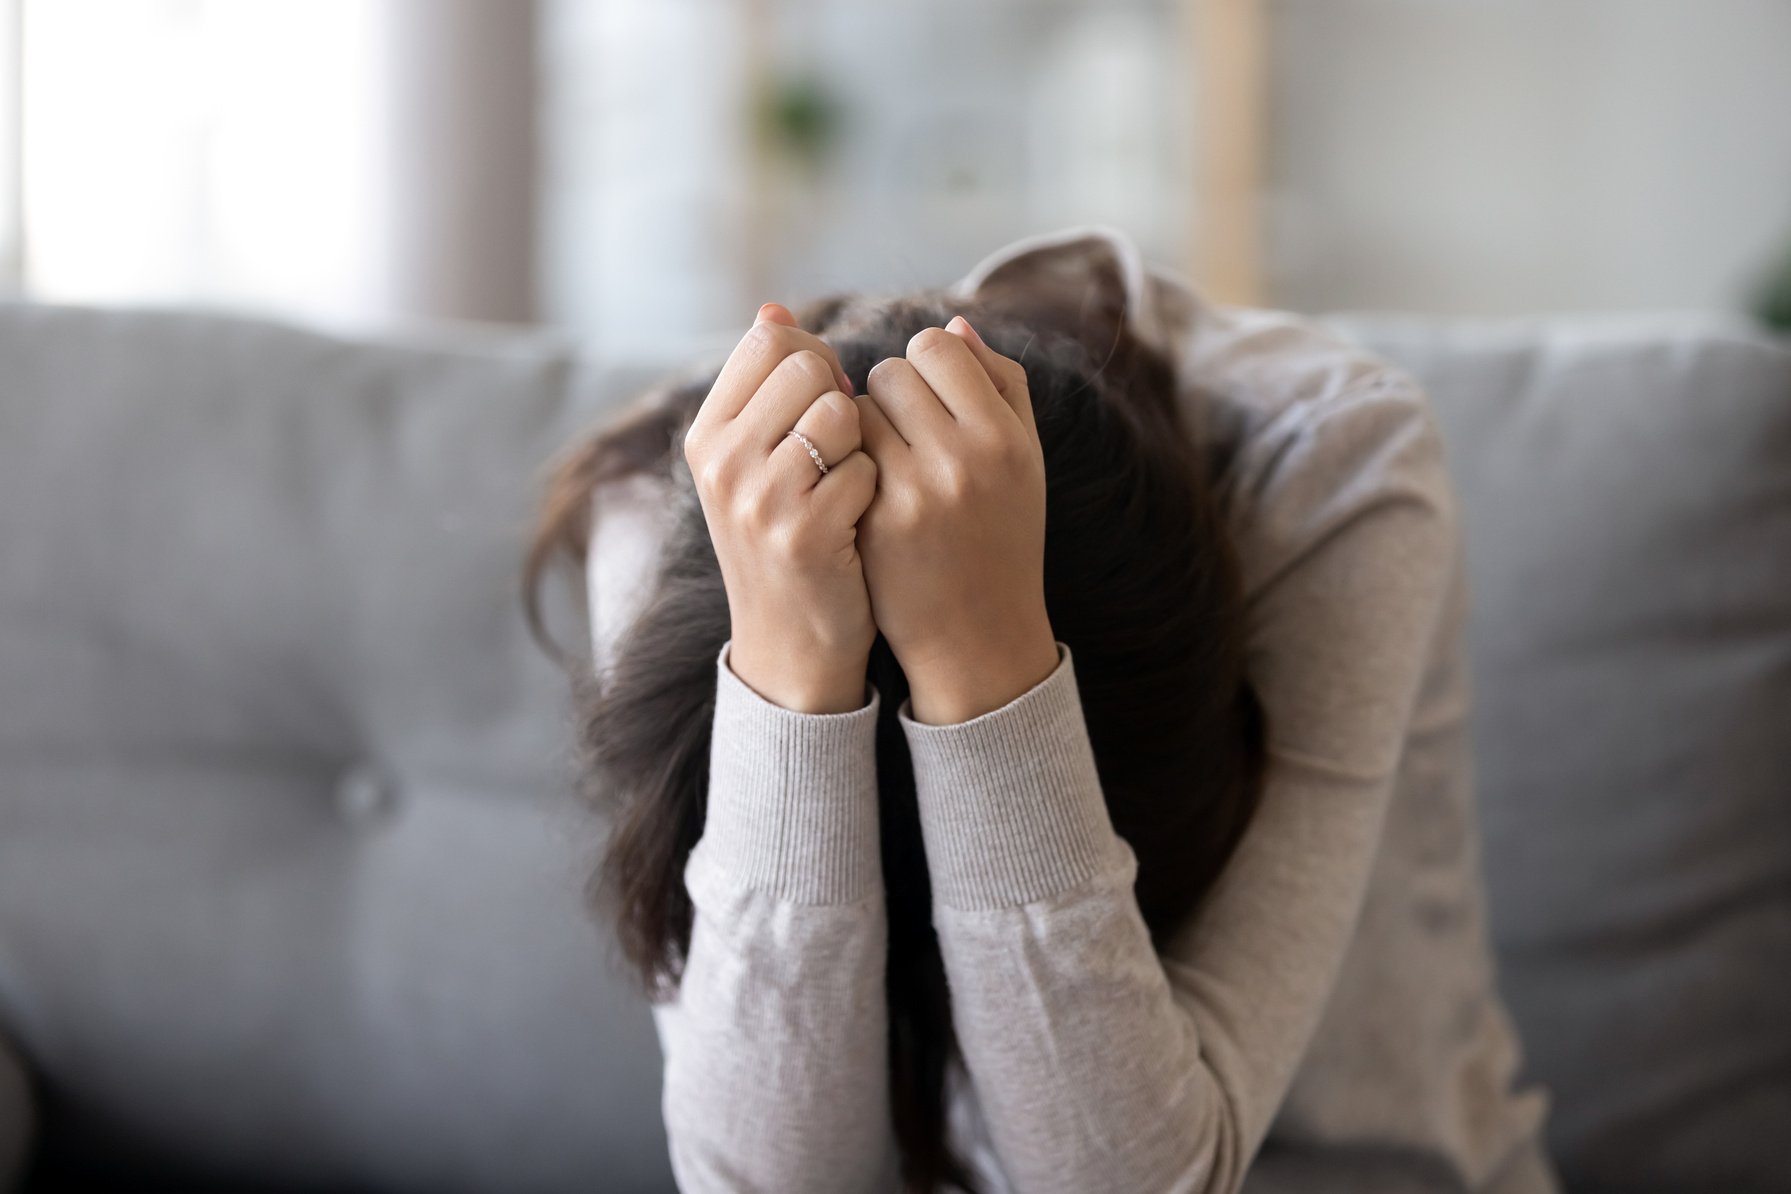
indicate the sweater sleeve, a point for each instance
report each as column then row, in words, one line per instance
column 775, row 1046
column 1098, row 1063
column 775, row 1043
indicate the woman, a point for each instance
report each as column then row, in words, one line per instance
column 1032, row 719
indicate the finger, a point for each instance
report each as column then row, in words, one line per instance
column 831, row 425
column 792, row 388
column 780, row 314
column 945, row 361
column 879, row 436
column 1007, row 375
column 909, row 403
column 761, row 350
column 845, row 493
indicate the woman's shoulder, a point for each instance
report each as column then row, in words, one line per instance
column 1329, row 463
column 1309, row 431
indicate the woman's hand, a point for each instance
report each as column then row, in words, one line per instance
column 954, row 542
column 785, row 535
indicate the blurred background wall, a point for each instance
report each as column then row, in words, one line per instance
column 703, row 156
column 1523, row 155
column 639, row 172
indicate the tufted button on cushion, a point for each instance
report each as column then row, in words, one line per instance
column 365, row 795
column 253, row 577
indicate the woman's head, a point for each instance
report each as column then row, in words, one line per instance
column 1140, row 582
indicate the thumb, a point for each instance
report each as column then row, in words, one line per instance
column 776, row 313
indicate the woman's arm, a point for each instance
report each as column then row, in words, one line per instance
column 1098, row 1063
column 775, row 1045
column 776, row 1062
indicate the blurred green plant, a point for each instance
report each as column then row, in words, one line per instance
column 1773, row 304
column 798, row 116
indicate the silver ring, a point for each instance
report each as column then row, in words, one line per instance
column 819, row 463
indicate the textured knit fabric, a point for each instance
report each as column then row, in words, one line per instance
column 1328, row 1021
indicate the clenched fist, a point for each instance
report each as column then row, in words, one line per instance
column 785, row 534
column 954, row 542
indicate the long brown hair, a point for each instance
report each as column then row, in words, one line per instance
column 1140, row 580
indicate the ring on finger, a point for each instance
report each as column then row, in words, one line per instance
column 812, row 451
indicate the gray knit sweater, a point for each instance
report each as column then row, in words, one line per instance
column 1329, row 1021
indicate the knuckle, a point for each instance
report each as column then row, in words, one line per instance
column 908, row 507
column 745, row 508
column 906, row 500
column 861, row 469
column 1010, row 453
column 764, row 338
column 883, row 373
column 758, row 512
column 782, row 541
column 928, row 341
column 893, row 494
column 710, row 473
column 811, row 367
column 697, row 433
column 955, row 480
column 837, row 408
column 981, row 438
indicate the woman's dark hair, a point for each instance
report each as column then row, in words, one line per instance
column 1141, row 582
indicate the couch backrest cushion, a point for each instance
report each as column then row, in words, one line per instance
column 1626, row 497
column 289, row 879
column 290, row 876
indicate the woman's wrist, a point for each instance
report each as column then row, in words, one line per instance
column 792, row 802
column 800, row 681
column 956, row 684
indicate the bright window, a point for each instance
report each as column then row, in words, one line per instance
column 206, row 151
column 9, row 147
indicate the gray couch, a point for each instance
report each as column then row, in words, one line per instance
column 290, row 882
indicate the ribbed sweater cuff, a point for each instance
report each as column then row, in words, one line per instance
column 1011, row 807
column 792, row 796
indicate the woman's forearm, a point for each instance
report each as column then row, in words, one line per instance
column 776, row 1047
column 1089, row 1075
